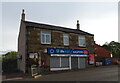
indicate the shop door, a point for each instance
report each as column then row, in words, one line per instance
column 81, row 63
column 64, row 62
column 74, row 62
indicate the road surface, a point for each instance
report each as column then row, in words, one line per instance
column 104, row 73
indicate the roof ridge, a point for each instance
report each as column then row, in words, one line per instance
column 46, row 24
column 57, row 26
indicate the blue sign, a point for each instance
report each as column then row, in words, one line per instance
column 67, row 51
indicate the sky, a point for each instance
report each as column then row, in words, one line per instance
column 98, row 18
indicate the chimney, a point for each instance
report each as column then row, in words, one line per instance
column 78, row 25
column 23, row 15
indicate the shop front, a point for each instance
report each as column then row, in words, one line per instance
column 64, row 59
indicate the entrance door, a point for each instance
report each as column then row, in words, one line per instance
column 74, row 62
column 81, row 63
column 64, row 62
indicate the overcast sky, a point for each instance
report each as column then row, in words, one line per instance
column 98, row 18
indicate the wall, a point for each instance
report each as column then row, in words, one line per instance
column 34, row 42
column 22, row 47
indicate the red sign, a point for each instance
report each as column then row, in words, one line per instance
column 91, row 58
column 85, row 52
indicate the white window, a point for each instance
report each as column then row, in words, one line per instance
column 81, row 41
column 66, row 39
column 45, row 37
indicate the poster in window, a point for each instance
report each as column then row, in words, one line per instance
column 91, row 58
column 33, row 55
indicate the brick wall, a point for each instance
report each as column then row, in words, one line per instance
column 34, row 42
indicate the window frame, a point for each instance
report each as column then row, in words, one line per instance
column 43, row 33
column 79, row 40
column 65, row 35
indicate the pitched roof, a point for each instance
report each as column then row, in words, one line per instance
column 53, row 27
column 101, row 52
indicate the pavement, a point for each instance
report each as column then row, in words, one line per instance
column 15, row 76
column 103, row 73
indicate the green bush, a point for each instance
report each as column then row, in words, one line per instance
column 9, row 62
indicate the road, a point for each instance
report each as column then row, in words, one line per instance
column 105, row 73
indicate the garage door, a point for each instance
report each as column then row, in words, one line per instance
column 55, row 62
column 64, row 62
column 81, row 63
column 74, row 62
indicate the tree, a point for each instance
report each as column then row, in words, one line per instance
column 114, row 47
column 10, row 56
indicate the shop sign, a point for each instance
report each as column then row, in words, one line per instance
column 68, row 55
column 67, row 51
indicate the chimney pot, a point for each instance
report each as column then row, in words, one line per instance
column 78, row 25
column 23, row 14
column 23, row 10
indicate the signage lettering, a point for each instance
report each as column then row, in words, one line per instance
column 67, row 51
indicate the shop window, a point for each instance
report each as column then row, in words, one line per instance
column 45, row 37
column 55, row 62
column 81, row 41
column 66, row 39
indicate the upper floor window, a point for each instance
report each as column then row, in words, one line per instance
column 45, row 37
column 81, row 41
column 66, row 39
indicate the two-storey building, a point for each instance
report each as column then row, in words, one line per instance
column 53, row 47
